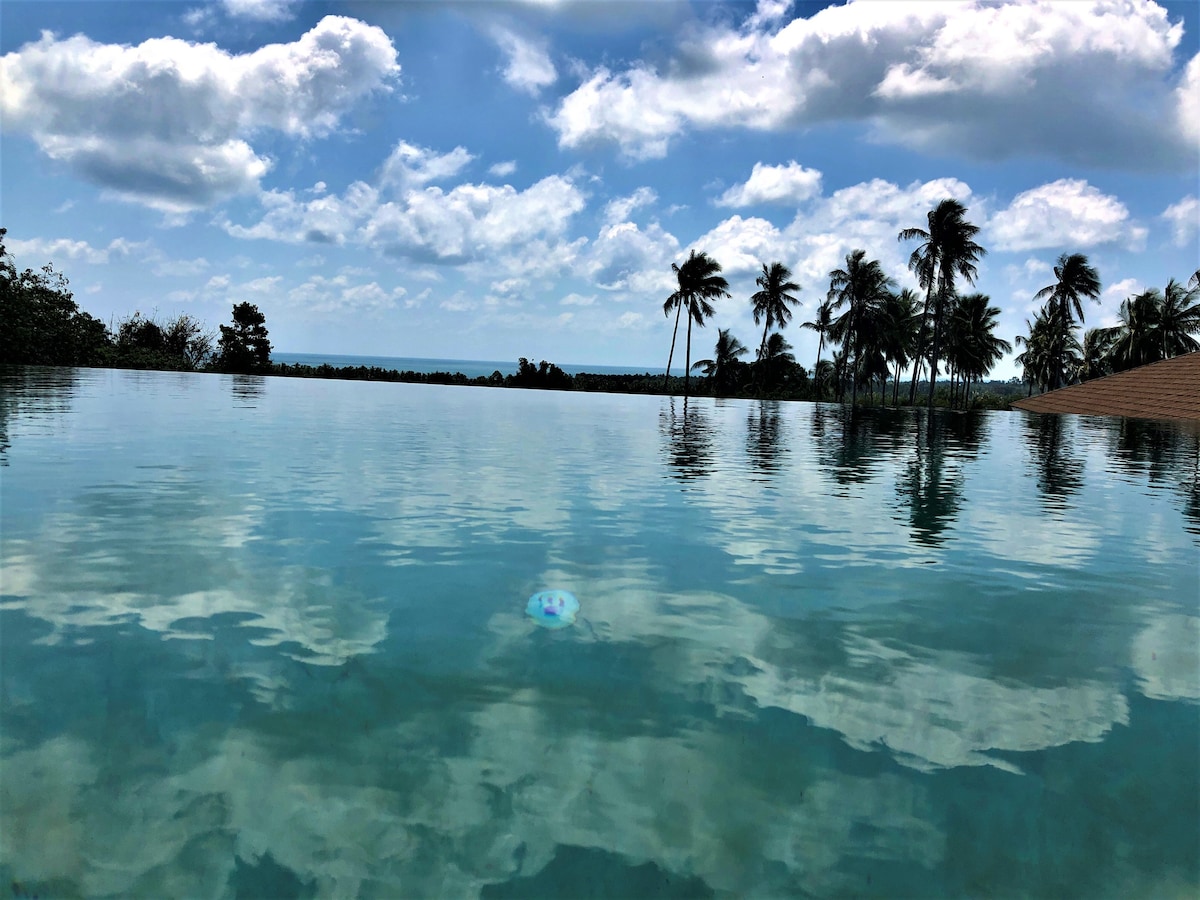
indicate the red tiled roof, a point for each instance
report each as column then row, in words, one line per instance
column 1169, row 389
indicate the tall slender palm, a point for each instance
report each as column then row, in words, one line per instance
column 698, row 281
column 1074, row 281
column 978, row 347
column 1047, row 346
column 948, row 249
column 903, row 319
column 821, row 324
column 724, row 363
column 772, row 300
column 862, row 287
column 1154, row 326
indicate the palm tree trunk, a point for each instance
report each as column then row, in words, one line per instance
column 687, row 372
column 967, row 398
column 762, row 350
column 933, row 353
column 912, row 390
column 820, row 347
column 671, row 355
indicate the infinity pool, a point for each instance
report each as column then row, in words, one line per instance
column 268, row 637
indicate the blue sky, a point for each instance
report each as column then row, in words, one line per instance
column 491, row 180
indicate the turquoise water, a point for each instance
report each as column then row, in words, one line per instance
column 268, row 637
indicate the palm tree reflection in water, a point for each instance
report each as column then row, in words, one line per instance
column 1058, row 469
column 689, row 440
column 930, row 486
column 762, row 437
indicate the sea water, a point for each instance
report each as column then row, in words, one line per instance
column 268, row 637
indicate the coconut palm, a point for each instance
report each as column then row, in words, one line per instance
column 947, row 250
column 862, row 287
column 1179, row 317
column 772, row 301
column 821, row 323
column 900, row 343
column 775, row 359
column 698, row 281
column 978, row 349
column 724, row 364
column 1074, row 281
column 1047, row 345
column 1096, row 357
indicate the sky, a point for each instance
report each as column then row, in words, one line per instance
column 490, row 180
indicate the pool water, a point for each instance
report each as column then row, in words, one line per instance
column 268, row 637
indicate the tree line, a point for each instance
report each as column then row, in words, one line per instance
column 43, row 325
column 876, row 331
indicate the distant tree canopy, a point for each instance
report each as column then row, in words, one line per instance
column 244, row 347
column 544, row 375
column 42, row 323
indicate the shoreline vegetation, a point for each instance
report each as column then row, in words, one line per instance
column 873, row 330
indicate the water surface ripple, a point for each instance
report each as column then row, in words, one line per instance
column 267, row 637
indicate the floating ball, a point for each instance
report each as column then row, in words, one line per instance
column 552, row 609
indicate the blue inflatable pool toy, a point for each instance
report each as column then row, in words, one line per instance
column 553, row 609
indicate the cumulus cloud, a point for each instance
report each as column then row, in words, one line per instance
column 404, row 216
column 169, row 123
column 790, row 183
column 624, row 257
column 40, row 249
column 972, row 77
column 621, row 208
column 502, row 169
column 341, row 294
column 1184, row 218
column 411, row 166
column 529, row 67
column 1069, row 214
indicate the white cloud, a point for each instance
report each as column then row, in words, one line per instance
column 168, row 123
column 259, row 10
column 578, row 300
column 502, row 169
column 529, row 67
column 410, row 166
column 181, row 268
column 340, row 294
column 1068, row 214
column 619, row 209
column 57, row 249
column 469, row 222
column 975, row 77
column 1184, row 217
column 790, row 183
column 626, row 258
column 1187, row 96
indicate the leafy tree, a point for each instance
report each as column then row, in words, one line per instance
column 771, row 302
column 976, row 349
column 180, row 344
column 1096, row 354
column 723, row 368
column 544, row 375
column 822, row 323
column 699, row 281
column 1074, row 281
column 863, row 288
column 42, row 324
column 244, row 347
column 947, row 250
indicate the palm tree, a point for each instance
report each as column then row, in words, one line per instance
column 1047, row 346
column 948, row 249
column 1074, row 281
column 1155, row 326
column 821, row 324
column 824, row 374
column 723, row 365
column 771, row 303
column 978, row 347
column 776, row 357
column 1096, row 356
column 698, row 282
column 862, row 287
column 900, row 341
column 1179, row 317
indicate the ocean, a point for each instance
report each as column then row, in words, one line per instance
column 472, row 368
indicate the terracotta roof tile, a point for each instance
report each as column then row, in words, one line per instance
column 1169, row 389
